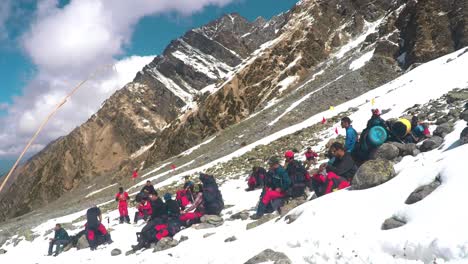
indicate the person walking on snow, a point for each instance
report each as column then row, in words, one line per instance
column 351, row 134
column 60, row 239
column 276, row 189
column 122, row 197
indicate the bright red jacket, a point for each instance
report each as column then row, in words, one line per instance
column 122, row 198
column 145, row 206
column 332, row 182
column 310, row 155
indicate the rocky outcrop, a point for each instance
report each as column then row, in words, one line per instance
column 387, row 151
column 165, row 243
column 373, row 173
column 431, row 143
column 392, row 223
column 422, row 192
column 133, row 117
column 464, row 136
column 270, row 256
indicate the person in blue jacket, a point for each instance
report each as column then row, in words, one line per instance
column 351, row 134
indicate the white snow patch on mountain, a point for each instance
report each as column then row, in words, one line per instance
column 361, row 61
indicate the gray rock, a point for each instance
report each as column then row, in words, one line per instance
column 165, row 243
column 116, row 252
column 243, row 215
column 230, row 239
column 203, row 226
column 464, row 136
column 373, row 173
column 431, row 143
column 261, row 221
column 443, row 130
column 386, row 151
column 208, row 235
column 457, row 96
column 392, row 223
column 406, row 149
column 183, row 238
column 2, row 251
column 3, row 239
column 422, row 192
column 212, row 219
column 269, row 255
column 82, row 243
column 130, row 252
column 464, row 115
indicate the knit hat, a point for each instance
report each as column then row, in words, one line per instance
column 167, row 196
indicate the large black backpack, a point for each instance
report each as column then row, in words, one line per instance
column 212, row 198
column 298, row 175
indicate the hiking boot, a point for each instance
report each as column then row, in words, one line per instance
column 255, row 216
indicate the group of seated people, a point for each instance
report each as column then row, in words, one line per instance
column 292, row 180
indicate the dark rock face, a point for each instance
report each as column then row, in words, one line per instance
column 431, row 143
column 464, row 136
column 373, row 173
column 269, row 255
column 422, row 192
column 392, row 223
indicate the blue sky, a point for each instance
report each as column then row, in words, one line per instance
column 151, row 36
column 33, row 60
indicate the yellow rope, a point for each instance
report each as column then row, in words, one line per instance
column 105, row 67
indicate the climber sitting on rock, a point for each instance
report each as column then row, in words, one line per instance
column 60, row 240
column 325, row 182
column 144, row 210
column 96, row 233
column 276, row 187
column 256, row 179
column 343, row 165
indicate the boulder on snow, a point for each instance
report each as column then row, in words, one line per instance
column 464, row 136
column 464, row 115
column 261, row 221
column 183, row 238
column 3, row 239
column 431, row 143
column 82, row 243
column 203, row 226
column 165, row 243
column 373, row 173
column 2, row 251
column 443, row 130
column 454, row 96
column 230, row 239
column 392, row 223
column 212, row 220
column 208, row 235
column 406, row 149
column 243, row 215
column 116, row 252
column 422, row 192
column 269, row 255
column 387, row 151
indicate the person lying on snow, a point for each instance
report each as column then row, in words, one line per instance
column 94, row 227
column 325, row 182
column 256, row 179
column 60, row 240
column 343, row 165
column 297, row 173
column 122, row 197
column 276, row 187
column 144, row 211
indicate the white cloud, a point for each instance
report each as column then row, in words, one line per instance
column 67, row 44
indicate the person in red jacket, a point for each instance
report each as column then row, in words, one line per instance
column 122, row 198
column 135, row 174
column 311, row 157
column 144, row 211
column 326, row 182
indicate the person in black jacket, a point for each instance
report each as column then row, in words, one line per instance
column 172, row 206
column 158, row 207
column 148, row 188
column 60, row 239
column 343, row 165
column 95, row 227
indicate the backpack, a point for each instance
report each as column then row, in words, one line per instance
column 174, row 226
column 212, row 198
column 299, row 177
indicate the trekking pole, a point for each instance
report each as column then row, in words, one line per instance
column 48, row 119
column 108, row 222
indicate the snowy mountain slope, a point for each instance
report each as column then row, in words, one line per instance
column 342, row 227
